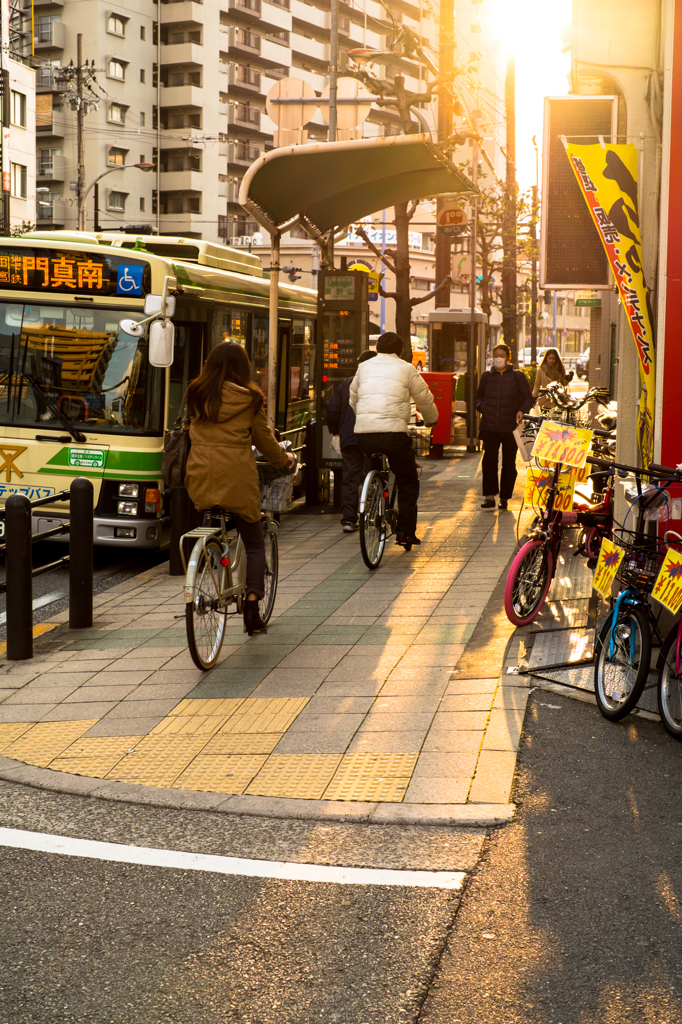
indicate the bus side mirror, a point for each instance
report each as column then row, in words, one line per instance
column 153, row 305
column 161, row 342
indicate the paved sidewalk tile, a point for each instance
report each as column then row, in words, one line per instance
column 369, row 688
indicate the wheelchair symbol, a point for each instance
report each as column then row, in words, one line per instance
column 129, row 281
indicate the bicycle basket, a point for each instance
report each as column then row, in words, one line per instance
column 641, row 562
column 276, row 495
column 421, row 440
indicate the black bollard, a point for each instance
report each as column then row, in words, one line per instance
column 180, row 524
column 312, row 495
column 19, row 559
column 81, row 526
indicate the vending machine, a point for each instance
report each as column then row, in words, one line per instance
column 342, row 334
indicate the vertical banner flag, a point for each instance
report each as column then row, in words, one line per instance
column 607, row 175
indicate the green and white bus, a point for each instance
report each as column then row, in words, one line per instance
column 79, row 397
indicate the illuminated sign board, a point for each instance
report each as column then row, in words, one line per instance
column 63, row 271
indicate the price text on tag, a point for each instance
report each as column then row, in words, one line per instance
column 609, row 559
column 668, row 587
column 558, row 442
column 539, row 480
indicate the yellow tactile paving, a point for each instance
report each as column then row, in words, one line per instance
column 45, row 741
column 102, row 746
column 219, row 774
column 189, row 725
column 242, row 743
column 301, row 776
column 11, row 731
column 265, row 714
column 93, row 767
column 372, row 777
column 157, row 760
column 207, row 706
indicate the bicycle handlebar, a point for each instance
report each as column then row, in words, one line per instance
column 654, row 470
column 595, row 430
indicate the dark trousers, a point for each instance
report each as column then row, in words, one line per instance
column 397, row 447
column 489, row 466
column 353, row 461
column 254, row 545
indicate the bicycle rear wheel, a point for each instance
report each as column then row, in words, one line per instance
column 372, row 520
column 204, row 616
column 670, row 686
column 620, row 677
column 528, row 582
column 267, row 602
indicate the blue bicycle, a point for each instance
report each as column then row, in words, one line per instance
column 623, row 648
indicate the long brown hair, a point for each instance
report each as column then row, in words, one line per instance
column 226, row 363
column 560, row 370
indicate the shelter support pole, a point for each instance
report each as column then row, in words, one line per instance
column 473, row 346
column 273, row 329
column 333, row 66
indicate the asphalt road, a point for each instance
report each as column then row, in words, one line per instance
column 571, row 916
column 51, row 591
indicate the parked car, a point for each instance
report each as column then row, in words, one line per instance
column 524, row 355
column 420, row 353
column 582, row 364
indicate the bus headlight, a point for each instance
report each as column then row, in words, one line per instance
column 127, row 508
column 128, row 491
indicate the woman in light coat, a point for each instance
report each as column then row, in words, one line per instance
column 226, row 418
column 551, row 368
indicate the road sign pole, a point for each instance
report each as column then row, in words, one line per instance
column 333, row 66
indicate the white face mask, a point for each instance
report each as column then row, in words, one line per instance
column 499, row 363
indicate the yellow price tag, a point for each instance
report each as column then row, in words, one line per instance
column 557, row 442
column 538, row 482
column 609, row 559
column 668, row 587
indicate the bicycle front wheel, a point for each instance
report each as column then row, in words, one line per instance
column 372, row 520
column 670, row 686
column 622, row 666
column 205, row 615
column 528, row 582
column 267, row 602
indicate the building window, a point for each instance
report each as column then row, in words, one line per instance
column 142, row 74
column 117, row 113
column 142, row 205
column 141, row 119
column 422, row 284
column 116, row 201
column 18, row 109
column 142, row 32
column 116, row 69
column 116, row 25
column 19, row 180
column 116, row 157
column 281, row 36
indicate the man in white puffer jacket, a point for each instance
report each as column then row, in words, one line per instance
column 380, row 397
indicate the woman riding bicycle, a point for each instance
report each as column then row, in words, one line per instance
column 226, row 418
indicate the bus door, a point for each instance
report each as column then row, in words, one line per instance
column 283, row 356
column 188, row 358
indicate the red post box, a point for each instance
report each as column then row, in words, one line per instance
column 442, row 387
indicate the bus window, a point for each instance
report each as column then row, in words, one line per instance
column 230, row 325
column 302, row 362
column 259, row 351
column 187, row 363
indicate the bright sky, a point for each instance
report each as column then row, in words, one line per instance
column 533, row 29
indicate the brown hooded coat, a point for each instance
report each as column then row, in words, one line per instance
column 221, row 466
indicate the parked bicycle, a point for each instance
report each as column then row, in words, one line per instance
column 533, row 569
column 669, row 689
column 567, row 408
column 623, row 647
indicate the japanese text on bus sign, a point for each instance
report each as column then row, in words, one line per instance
column 559, row 442
column 67, row 271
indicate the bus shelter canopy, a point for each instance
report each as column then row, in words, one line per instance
column 332, row 184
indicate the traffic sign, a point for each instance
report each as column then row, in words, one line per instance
column 452, row 220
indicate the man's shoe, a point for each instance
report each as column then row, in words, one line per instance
column 252, row 620
column 406, row 540
column 488, row 503
column 502, row 505
column 348, row 526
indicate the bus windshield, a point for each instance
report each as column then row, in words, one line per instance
column 85, row 367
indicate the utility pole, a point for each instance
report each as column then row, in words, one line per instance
column 534, row 268
column 333, row 66
column 446, row 60
column 5, row 224
column 509, row 318
column 80, row 115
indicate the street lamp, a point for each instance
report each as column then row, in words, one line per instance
column 94, row 184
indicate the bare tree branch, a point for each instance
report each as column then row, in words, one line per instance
column 377, row 252
column 432, row 294
column 412, row 209
column 387, row 295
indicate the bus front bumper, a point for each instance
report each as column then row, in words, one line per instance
column 113, row 533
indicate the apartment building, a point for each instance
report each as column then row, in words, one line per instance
column 21, row 161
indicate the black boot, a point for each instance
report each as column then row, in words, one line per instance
column 252, row 620
column 406, row 540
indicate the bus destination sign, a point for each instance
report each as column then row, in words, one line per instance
column 64, row 271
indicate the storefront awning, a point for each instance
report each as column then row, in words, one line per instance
column 332, row 184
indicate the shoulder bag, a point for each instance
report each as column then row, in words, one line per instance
column 176, row 445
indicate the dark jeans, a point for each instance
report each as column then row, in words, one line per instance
column 489, row 466
column 353, row 462
column 397, row 447
column 254, row 545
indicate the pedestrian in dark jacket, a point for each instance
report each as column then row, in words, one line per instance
column 503, row 397
column 341, row 421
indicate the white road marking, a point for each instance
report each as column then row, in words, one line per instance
column 39, row 602
column 66, row 846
